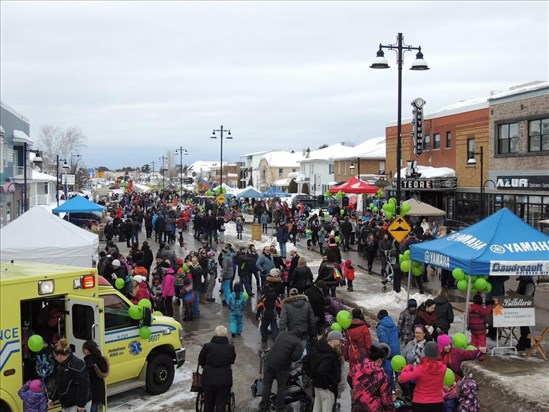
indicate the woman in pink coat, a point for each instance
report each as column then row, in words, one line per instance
column 168, row 290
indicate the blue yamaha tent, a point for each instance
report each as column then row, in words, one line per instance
column 249, row 192
column 78, row 204
column 501, row 244
column 274, row 192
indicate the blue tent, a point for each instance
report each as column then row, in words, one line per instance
column 249, row 192
column 78, row 204
column 274, row 192
column 501, row 244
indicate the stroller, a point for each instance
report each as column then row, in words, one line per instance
column 390, row 260
column 298, row 388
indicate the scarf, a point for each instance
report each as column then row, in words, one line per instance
column 418, row 352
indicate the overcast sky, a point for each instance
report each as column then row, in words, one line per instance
column 144, row 78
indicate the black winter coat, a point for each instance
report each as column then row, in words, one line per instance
column 302, row 278
column 216, row 357
column 286, row 349
column 445, row 314
column 97, row 384
column 324, row 366
column 72, row 383
column 316, row 299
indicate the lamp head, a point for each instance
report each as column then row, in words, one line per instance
column 229, row 137
column 380, row 62
column 65, row 165
column 352, row 167
column 419, row 63
column 472, row 161
column 37, row 157
column 213, row 135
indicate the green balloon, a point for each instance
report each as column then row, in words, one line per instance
column 417, row 271
column 416, row 264
column 405, row 266
column 480, row 283
column 449, row 377
column 371, row 205
column 458, row 274
column 393, row 201
column 389, row 215
column 146, row 303
column 336, row 326
column 470, row 347
column 157, row 313
column 375, row 209
column 144, row 332
column 398, row 362
column 405, row 208
column 488, row 287
column 246, row 296
column 462, row 285
column 344, row 318
column 407, row 254
column 119, row 283
column 35, row 343
column 185, row 267
column 135, row 312
column 401, row 258
column 460, row 340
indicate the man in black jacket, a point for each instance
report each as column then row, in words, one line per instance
column 285, row 350
column 323, row 366
column 315, row 295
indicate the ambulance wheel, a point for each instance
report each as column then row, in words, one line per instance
column 4, row 407
column 160, row 374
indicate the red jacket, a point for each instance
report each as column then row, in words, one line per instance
column 429, row 382
column 141, row 292
column 371, row 387
column 477, row 320
column 456, row 356
column 357, row 342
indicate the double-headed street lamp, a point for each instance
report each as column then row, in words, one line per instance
column 473, row 161
column 229, row 137
column 380, row 62
column 181, row 152
column 65, row 168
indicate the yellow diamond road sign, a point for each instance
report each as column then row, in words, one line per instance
column 399, row 229
column 221, row 199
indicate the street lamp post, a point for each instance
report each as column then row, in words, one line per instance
column 152, row 173
column 221, row 130
column 65, row 167
column 380, row 62
column 163, row 158
column 181, row 152
column 73, row 168
column 473, row 161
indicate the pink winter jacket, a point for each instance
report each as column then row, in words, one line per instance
column 168, row 285
column 428, row 383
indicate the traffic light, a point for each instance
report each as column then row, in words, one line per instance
column 345, row 201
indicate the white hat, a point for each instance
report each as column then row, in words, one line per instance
column 116, row 263
column 139, row 278
column 275, row 273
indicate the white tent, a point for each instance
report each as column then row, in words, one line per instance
column 40, row 236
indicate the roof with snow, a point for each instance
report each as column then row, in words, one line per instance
column 331, row 152
column 373, row 148
column 429, row 172
column 283, row 159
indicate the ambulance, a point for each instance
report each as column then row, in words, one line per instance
column 64, row 301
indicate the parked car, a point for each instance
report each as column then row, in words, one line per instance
column 84, row 219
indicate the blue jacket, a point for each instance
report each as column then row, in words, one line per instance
column 264, row 264
column 237, row 306
column 387, row 332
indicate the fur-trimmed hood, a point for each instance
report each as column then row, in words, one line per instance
column 274, row 279
column 295, row 298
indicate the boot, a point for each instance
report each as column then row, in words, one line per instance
column 202, row 297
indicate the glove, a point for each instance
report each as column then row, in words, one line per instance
column 430, row 329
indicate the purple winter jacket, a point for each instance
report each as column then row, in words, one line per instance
column 33, row 401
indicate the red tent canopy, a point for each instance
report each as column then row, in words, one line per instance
column 354, row 185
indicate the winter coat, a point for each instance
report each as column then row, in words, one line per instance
column 264, row 264
column 406, row 326
column 316, row 300
column 141, row 292
column 199, row 278
column 237, row 306
column 426, row 318
column 456, row 356
column 326, row 273
column 148, row 257
column 357, row 342
column 264, row 219
column 33, row 401
column 216, row 358
column 302, row 278
column 227, row 265
column 286, row 349
column 409, row 351
column 297, row 314
column 371, row 388
column 429, row 384
column 97, row 384
column 444, row 314
column 387, row 332
column 324, row 366
column 333, row 254
column 168, row 285
column 477, row 318
column 72, row 383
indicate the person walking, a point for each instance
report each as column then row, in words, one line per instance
column 357, row 339
column 406, row 322
column 444, row 312
column 216, row 358
column 302, row 276
column 98, row 370
column 297, row 314
column 286, row 349
column 237, row 304
column 282, row 238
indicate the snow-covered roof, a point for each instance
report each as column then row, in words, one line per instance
column 331, row 152
column 429, row 172
column 373, row 148
column 35, row 176
column 21, row 137
column 282, row 182
column 254, row 153
column 283, row 159
column 203, row 166
column 521, row 89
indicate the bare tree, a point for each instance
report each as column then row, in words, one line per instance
column 54, row 141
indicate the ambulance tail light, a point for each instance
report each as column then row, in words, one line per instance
column 84, row 282
column 46, row 287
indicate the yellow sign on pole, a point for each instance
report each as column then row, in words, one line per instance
column 221, row 198
column 399, row 229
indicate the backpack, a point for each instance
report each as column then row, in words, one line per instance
column 337, row 275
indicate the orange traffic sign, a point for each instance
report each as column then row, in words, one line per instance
column 399, row 229
column 221, row 198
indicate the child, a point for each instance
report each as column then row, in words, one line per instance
column 449, row 395
column 212, row 270
column 477, row 321
column 237, row 304
column 188, row 297
column 322, row 233
column 157, row 295
column 239, row 227
column 349, row 274
column 34, row 396
column 168, row 290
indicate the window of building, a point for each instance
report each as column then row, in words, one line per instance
column 381, row 168
column 471, row 144
column 331, row 169
column 508, row 138
column 280, row 172
column 448, row 140
column 427, row 142
column 294, row 170
column 538, row 135
column 436, row 141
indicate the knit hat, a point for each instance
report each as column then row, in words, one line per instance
column 431, row 350
column 357, row 313
column 36, row 386
column 275, row 273
column 293, row 292
column 348, row 262
column 116, row 263
column 442, row 341
column 382, row 314
column 335, row 334
column 412, row 303
column 139, row 278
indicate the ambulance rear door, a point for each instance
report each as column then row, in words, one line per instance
column 84, row 320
